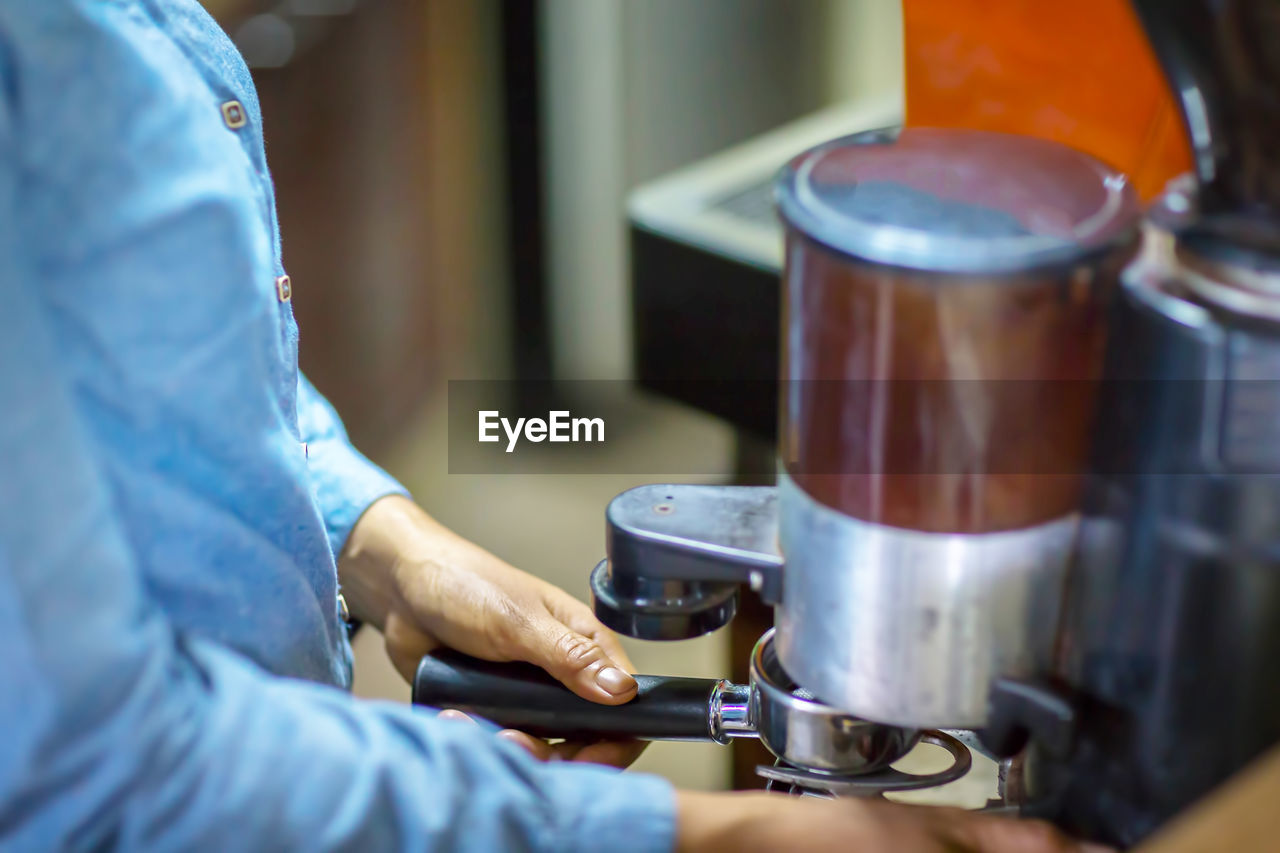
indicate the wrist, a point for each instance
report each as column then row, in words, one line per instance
column 710, row 823
column 382, row 542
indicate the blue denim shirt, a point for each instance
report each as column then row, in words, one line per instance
column 173, row 494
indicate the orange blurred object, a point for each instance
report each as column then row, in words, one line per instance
column 1081, row 73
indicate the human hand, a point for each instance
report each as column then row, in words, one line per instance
column 765, row 822
column 747, row 823
column 424, row 587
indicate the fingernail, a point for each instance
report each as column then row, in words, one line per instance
column 614, row 681
column 452, row 714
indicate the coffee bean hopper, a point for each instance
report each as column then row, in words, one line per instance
column 1019, row 493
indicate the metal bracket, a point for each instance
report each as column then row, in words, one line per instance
column 879, row 782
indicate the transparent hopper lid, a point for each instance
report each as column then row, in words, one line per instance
column 960, row 201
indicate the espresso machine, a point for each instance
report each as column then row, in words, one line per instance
column 1028, row 492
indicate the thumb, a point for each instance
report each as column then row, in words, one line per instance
column 578, row 662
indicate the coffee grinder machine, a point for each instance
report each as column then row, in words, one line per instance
column 944, row 314
column 1021, row 493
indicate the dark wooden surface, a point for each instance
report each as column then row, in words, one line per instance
column 382, row 156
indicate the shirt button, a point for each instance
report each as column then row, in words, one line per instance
column 233, row 114
column 344, row 612
column 284, row 288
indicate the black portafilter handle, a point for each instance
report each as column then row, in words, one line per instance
column 522, row 696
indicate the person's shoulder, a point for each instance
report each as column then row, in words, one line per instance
column 52, row 39
column 43, row 18
column 80, row 77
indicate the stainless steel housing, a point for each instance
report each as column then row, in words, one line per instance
column 909, row 628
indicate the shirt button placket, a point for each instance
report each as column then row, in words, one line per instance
column 234, row 115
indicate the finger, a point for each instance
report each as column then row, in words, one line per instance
column 566, row 750
column 455, row 715
column 614, row 753
column 577, row 661
column 539, row 749
column 612, row 647
column 579, row 617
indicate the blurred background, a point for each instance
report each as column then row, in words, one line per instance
column 453, row 181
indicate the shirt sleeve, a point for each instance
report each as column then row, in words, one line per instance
column 121, row 732
column 344, row 481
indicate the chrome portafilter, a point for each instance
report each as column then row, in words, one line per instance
column 819, row 747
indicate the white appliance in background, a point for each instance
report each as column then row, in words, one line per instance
column 724, row 203
column 633, row 89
